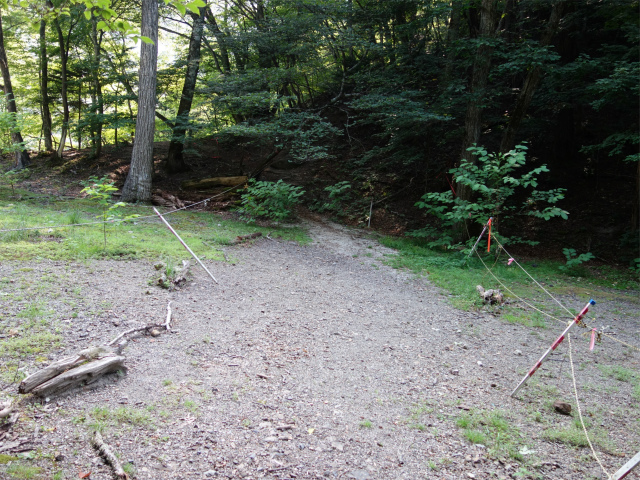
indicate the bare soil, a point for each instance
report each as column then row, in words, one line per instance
column 308, row 362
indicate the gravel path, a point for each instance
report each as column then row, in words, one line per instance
column 312, row 362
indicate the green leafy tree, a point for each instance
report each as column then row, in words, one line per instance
column 493, row 180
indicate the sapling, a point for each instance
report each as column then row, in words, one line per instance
column 100, row 191
column 13, row 176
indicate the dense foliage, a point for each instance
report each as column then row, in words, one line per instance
column 395, row 91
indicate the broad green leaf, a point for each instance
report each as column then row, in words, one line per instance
column 193, row 8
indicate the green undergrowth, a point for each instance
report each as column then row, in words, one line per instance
column 204, row 232
column 23, row 471
column 459, row 276
column 573, row 434
column 494, row 430
column 102, row 418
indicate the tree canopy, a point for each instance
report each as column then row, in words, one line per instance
column 407, row 86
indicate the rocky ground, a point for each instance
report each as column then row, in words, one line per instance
column 311, row 362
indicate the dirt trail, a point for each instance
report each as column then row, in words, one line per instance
column 309, row 362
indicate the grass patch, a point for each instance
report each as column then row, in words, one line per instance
column 493, row 430
column 459, row 276
column 4, row 459
column 622, row 374
column 573, row 434
column 23, row 471
column 103, row 417
column 132, row 416
column 142, row 238
column 30, row 343
column 366, row 424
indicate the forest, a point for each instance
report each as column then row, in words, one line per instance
column 237, row 239
column 373, row 104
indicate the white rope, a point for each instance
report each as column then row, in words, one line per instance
column 546, row 291
column 584, row 428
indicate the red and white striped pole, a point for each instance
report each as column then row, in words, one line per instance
column 486, row 225
column 554, row 345
column 627, row 467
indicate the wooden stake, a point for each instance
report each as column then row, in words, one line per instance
column 167, row 324
column 184, row 244
column 555, row 344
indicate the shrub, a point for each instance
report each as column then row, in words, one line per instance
column 492, row 181
column 573, row 259
column 339, row 195
column 270, row 200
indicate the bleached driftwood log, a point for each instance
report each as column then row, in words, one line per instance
column 82, row 375
column 87, row 366
column 56, row 368
column 7, row 408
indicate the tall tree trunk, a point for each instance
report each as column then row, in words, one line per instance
column 64, row 56
column 137, row 187
column 480, row 76
column 453, row 33
column 44, row 88
column 175, row 161
column 98, row 112
column 531, row 82
column 635, row 213
column 220, row 38
column 22, row 156
column 79, row 115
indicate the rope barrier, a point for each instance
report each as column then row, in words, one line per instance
column 534, row 280
column 568, row 336
column 584, row 428
column 585, row 325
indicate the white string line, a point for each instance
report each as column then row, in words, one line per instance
column 116, row 221
column 584, row 428
column 573, row 374
column 514, row 294
column 550, row 295
column 534, row 280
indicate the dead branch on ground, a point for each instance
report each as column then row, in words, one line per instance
column 108, row 455
column 87, row 366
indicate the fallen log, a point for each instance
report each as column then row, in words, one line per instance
column 84, row 374
column 164, row 199
column 7, row 408
column 245, row 238
column 206, row 183
column 56, row 368
column 87, row 366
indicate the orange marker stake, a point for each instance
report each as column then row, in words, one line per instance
column 489, row 240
